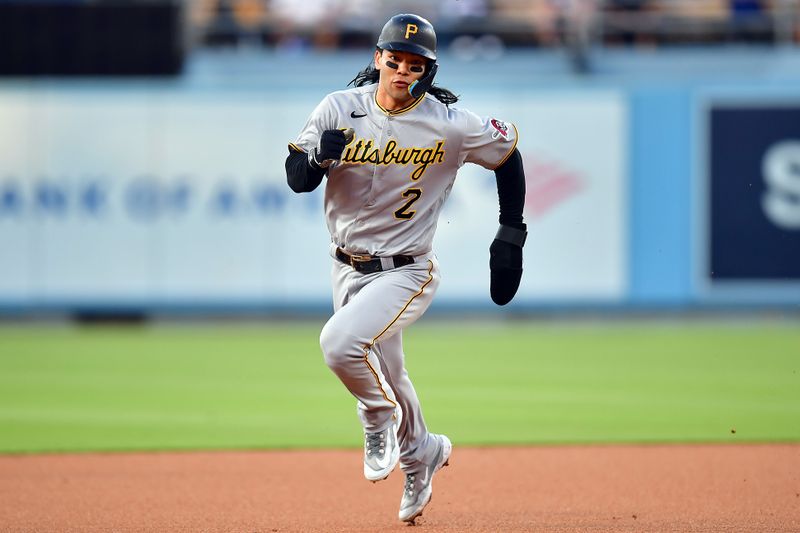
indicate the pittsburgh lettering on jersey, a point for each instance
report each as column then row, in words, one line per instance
column 363, row 151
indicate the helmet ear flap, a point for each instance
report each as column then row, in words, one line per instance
column 422, row 85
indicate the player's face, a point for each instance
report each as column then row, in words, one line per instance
column 398, row 70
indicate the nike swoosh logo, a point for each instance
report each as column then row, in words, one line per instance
column 427, row 475
column 353, row 115
column 384, row 462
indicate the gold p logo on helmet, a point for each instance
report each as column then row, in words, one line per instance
column 406, row 33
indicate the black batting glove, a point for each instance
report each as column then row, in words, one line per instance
column 330, row 147
column 505, row 263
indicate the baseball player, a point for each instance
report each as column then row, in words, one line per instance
column 390, row 148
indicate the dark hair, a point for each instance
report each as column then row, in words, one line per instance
column 371, row 75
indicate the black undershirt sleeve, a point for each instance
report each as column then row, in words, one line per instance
column 300, row 175
column 511, row 190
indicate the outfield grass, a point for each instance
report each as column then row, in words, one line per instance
column 264, row 386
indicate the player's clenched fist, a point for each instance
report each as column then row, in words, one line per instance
column 330, row 147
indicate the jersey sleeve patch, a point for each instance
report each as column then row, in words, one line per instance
column 500, row 129
column 488, row 141
column 510, row 151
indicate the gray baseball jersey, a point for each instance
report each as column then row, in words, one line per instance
column 384, row 196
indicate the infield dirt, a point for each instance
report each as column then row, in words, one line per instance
column 572, row 488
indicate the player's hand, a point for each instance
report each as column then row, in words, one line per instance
column 505, row 263
column 330, row 147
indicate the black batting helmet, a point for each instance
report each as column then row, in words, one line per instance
column 409, row 33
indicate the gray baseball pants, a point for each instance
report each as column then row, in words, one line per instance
column 362, row 344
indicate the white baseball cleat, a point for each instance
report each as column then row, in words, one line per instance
column 381, row 453
column 419, row 485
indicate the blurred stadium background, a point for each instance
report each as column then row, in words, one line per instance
column 143, row 144
column 141, row 176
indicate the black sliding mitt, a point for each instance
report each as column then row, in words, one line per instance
column 505, row 263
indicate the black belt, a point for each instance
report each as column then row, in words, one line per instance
column 368, row 264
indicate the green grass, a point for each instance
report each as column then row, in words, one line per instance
column 265, row 386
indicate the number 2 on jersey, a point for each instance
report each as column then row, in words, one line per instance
column 405, row 212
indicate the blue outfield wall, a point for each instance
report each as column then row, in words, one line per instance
column 620, row 158
column 661, row 172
